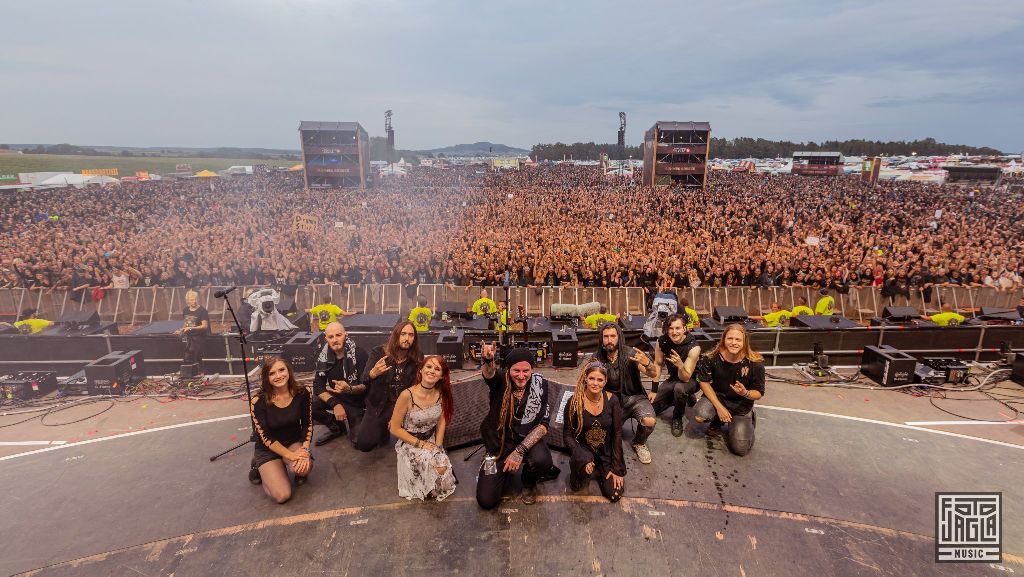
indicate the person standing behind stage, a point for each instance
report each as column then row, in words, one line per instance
column 392, row 370
column 421, row 415
column 731, row 376
column 421, row 315
column 282, row 415
column 338, row 393
column 324, row 314
column 195, row 328
column 592, row 430
column 513, row 430
column 483, row 306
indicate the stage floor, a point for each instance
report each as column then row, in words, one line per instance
column 837, row 484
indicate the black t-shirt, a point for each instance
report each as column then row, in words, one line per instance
column 722, row 374
column 683, row 349
column 287, row 425
column 332, row 368
column 601, row 436
column 383, row 390
column 194, row 318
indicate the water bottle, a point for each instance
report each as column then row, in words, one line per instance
column 490, row 465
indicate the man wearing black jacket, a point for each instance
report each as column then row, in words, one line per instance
column 392, row 370
column 624, row 365
column 338, row 393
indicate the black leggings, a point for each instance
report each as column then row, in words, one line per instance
column 740, row 434
column 578, row 476
column 536, row 465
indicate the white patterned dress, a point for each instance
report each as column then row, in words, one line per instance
column 417, row 468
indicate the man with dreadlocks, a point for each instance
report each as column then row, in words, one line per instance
column 592, row 429
column 514, row 429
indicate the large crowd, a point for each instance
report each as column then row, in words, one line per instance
column 546, row 226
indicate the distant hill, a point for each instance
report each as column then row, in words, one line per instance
column 478, row 149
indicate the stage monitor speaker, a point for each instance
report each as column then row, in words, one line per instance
column 79, row 318
column 27, row 385
column 8, row 329
column 728, row 315
column 565, row 348
column 888, row 366
column 830, row 322
column 370, row 322
column 451, row 307
column 998, row 314
column 1017, row 372
column 301, row 352
column 891, row 313
column 452, row 347
column 112, row 373
column 472, row 399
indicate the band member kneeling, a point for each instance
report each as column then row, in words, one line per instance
column 593, row 434
column 731, row 376
column 282, row 414
column 392, row 370
column 513, row 430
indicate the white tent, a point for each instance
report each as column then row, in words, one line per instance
column 78, row 180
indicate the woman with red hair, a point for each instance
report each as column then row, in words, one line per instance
column 421, row 414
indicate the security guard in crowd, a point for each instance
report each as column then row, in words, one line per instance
column 801, row 308
column 778, row 316
column 421, row 315
column 484, row 305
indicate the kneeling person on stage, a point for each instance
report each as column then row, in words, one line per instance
column 282, row 414
column 593, row 434
column 392, row 370
column 623, row 365
column 339, row 396
column 513, row 430
column 680, row 352
column 731, row 377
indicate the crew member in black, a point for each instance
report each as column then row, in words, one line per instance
column 513, row 430
column 338, row 394
column 195, row 328
column 1020, row 307
column 680, row 352
column 392, row 370
column 731, row 377
column 282, row 414
column 593, row 434
column 623, row 365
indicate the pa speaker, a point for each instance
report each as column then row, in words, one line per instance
column 730, row 314
column 900, row 313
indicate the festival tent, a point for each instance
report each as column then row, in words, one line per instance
column 206, row 174
column 78, row 180
column 295, row 168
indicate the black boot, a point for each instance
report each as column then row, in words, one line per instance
column 677, row 427
column 334, row 431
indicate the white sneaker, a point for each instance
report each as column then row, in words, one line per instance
column 643, row 454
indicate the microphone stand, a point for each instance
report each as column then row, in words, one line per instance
column 248, row 387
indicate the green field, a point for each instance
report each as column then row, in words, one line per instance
column 12, row 163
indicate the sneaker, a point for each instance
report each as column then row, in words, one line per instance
column 576, row 485
column 300, row 480
column 254, row 476
column 529, row 495
column 643, row 453
column 331, row 434
column 677, row 427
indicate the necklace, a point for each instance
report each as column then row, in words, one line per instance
column 422, row 386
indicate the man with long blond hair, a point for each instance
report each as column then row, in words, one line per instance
column 731, row 376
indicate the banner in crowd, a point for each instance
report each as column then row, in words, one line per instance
column 505, row 163
column 99, row 172
column 183, row 168
column 8, row 178
column 142, row 174
column 306, row 223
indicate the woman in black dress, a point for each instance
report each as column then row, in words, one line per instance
column 593, row 434
column 282, row 414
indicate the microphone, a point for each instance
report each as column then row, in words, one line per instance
column 223, row 293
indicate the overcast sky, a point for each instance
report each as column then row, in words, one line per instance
column 245, row 72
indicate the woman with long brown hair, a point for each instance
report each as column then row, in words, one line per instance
column 392, row 370
column 282, row 414
column 592, row 430
column 422, row 412
column 731, row 376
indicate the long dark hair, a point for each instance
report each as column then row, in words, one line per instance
column 391, row 347
column 266, row 389
column 444, row 385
